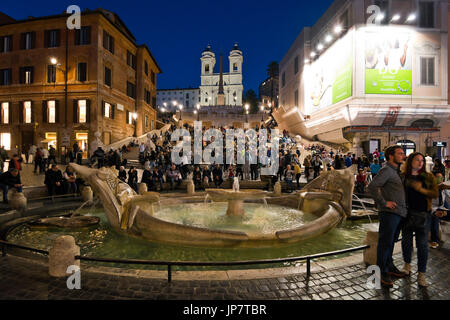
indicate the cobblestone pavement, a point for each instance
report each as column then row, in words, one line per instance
column 21, row 279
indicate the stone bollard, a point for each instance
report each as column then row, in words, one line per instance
column 142, row 188
column 277, row 188
column 62, row 255
column 17, row 201
column 190, row 188
column 370, row 255
column 87, row 194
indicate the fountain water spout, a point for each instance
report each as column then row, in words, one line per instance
column 236, row 184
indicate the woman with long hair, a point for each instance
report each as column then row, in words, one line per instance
column 420, row 189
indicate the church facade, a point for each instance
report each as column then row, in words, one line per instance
column 232, row 81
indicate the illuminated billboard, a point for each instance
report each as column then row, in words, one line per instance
column 388, row 62
column 329, row 78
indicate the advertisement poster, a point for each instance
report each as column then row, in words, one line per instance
column 388, row 62
column 331, row 76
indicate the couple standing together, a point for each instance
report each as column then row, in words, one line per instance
column 403, row 199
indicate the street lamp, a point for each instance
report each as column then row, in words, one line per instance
column 134, row 115
column 197, row 111
column 262, row 111
column 180, row 106
column 247, row 106
column 57, row 65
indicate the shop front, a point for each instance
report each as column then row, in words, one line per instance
column 408, row 146
column 81, row 138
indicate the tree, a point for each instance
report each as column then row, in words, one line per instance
column 251, row 98
column 272, row 72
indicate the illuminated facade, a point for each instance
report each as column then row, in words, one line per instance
column 109, row 77
column 367, row 78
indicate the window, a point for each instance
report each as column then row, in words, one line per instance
column 131, row 60
column 146, row 121
column 147, row 96
column 52, row 38
column 129, row 117
column 207, row 68
column 187, row 103
column 235, row 67
column 108, row 77
column 107, row 113
column 83, row 36
column 5, row 77
column 51, row 74
column 82, row 71
column 296, row 65
column 296, row 98
column 283, row 79
column 6, row 44
column 146, row 68
column 27, row 111
column 5, row 140
column 82, row 111
column 51, row 111
column 426, row 14
column 427, row 71
column 27, row 40
column 153, row 76
column 4, row 113
column 26, row 75
column 108, row 42
column 131, row 90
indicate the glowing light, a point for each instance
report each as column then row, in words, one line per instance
column 338, row 29
column 328, row 38
column 396, row 17
column 411, row 17
column 319, row 46
column 380, row 17
column 306, row 60
column 53, row 60
column 313, row 54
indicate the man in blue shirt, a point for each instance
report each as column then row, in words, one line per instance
column 374, row 168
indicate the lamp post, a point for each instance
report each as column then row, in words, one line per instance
column 247, row 106
column 198, row 111
column 134, row 121
column 57, row 65
column 180, row 107
column 262, row 111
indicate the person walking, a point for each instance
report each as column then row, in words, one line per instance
column 388, row 192
column 45, row 155
column 420, row 188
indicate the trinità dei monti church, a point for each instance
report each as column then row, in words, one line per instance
column 221, row 89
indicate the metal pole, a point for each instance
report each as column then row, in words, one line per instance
column 169, row 273
column 308, row 267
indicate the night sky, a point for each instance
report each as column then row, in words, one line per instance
column 177, row 31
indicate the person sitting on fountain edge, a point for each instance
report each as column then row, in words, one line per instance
column 173, row 175
column 197, row 177
column 147, row 178
column 53, row 180
column 218, row 176
column 122, row 174
column 133, row 179
column 10, row 179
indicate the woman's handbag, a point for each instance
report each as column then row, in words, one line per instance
column 416, row 220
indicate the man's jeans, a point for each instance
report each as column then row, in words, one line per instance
column 390, row 225
column 5, row 189
column 421, row 245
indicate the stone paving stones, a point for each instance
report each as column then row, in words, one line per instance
column 25, row 279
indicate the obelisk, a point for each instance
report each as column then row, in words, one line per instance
column 221, row 94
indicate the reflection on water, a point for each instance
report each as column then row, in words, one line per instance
column 102, row 241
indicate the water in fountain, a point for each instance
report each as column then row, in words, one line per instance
column 206, row 198
column 363, row 206
column 94, row 203
column 236, row 184
column 265, row 202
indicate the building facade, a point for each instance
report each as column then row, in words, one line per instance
column 269, row 92
column 60, row 87
column 170, row 99
column 369, row 77
column 233, row 88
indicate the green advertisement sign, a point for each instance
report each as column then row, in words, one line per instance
column 387, row 83
column 342, row 86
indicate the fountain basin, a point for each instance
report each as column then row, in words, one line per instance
column 235, row 199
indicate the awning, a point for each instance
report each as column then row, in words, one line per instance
column 334, row 136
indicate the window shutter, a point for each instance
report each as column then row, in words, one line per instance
column 111, row 44
column 23, row 37
column 46, row 38
column 58, row 38
column 75, row 111
column 57, row 109
column 33, row 39
column 32, row 74
column 77, row 37
column 1, row 115
column 88, row 111
column 44, row 111
column 32, row 112
column 10, row 76
column 21, row 75
column 88, row 35
column 127, row 117
column 21, row 107
column 11, row 43
column 103, row 108
column 113, row 108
